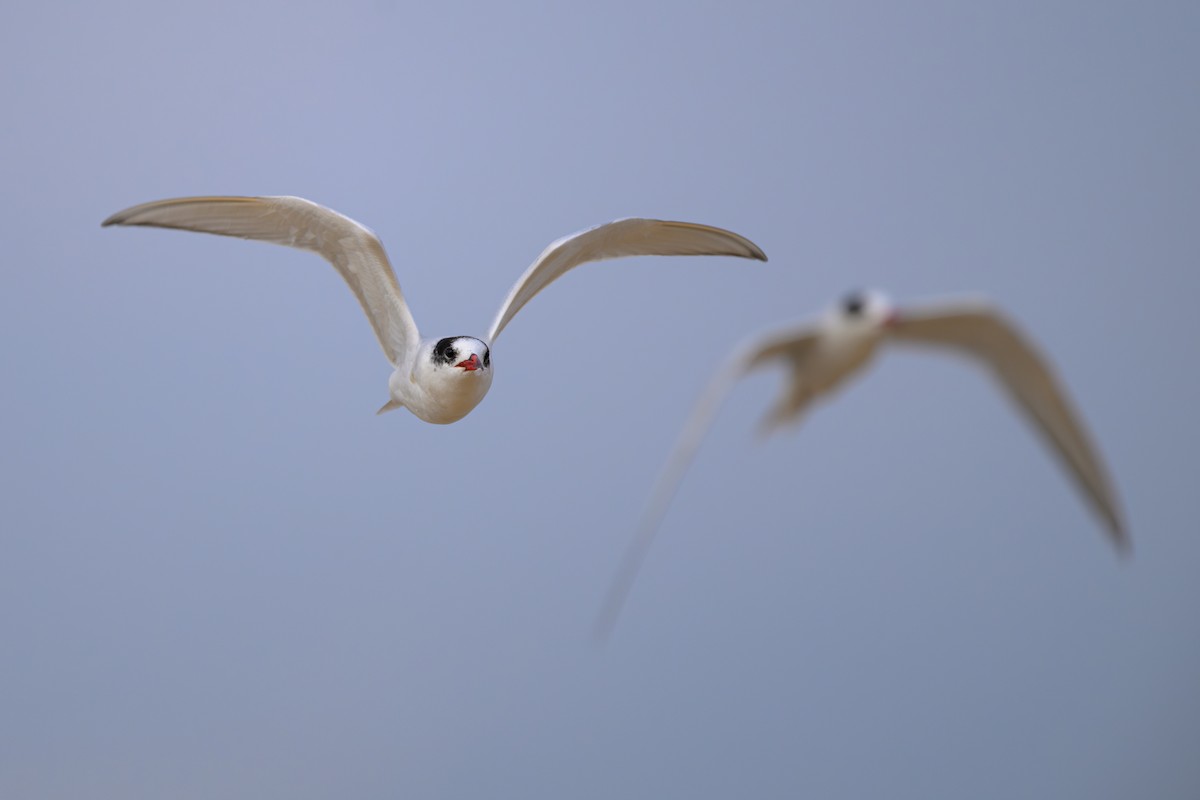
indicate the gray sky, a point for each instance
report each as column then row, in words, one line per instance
column 221, row 575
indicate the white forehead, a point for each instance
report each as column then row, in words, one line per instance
column 461, row 344
column 469, row 344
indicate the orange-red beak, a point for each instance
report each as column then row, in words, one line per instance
column 471, row 364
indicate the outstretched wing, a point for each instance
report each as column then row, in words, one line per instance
column 791, row 346
column 625, row 237
column 980, row 331
column 353, row 249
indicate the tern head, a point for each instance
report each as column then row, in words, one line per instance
column 461, row 354
column 868, row 309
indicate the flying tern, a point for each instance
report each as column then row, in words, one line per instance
column 822, row 355
column 439, row 380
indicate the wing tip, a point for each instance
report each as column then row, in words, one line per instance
column 748, row 249
column 127, row 216
column 751, row 249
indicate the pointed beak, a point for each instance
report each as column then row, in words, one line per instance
column 892, row 319
column 471, row 364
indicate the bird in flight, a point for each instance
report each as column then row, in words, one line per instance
column 439, row 380
column 822, row 355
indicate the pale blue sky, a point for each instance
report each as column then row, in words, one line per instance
column 221, row 575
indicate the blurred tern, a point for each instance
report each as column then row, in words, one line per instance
column 823, row 354
column 438, row 380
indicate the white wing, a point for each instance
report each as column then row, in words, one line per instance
column 353, row 249
column 625, row 237
column 791, row 345
column 980, row 331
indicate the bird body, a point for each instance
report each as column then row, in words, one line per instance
column 445, row 381
column 819, row 366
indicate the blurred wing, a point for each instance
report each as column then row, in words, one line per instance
column 625, row 237
column 791, row 346
column 353, row 249
column 977, row 330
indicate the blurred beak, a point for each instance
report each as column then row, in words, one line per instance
column 892, row 319
column 471, row 364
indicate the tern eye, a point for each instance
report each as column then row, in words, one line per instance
column 854, row 304
column 445, row 351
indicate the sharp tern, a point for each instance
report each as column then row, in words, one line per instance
column 439, row 380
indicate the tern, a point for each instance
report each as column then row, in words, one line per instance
column 439, row 380
column 821, row 356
